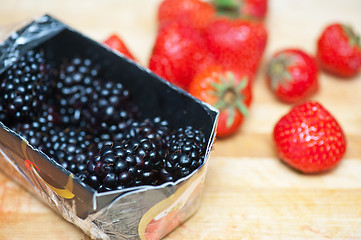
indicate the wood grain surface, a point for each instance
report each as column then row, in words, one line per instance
column 249, row 193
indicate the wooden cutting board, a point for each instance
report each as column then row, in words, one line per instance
column 249, row 193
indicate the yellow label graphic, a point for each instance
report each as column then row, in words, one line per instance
column 168, row 213
column 66, row 192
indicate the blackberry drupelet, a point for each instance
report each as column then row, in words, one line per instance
column 24, row 88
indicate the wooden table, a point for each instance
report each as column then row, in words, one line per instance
column 249, row 193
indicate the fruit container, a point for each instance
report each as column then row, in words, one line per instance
column 140, row 212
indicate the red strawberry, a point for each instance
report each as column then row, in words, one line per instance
column 250, row 9
column 228, row 91
column 178, row 53
column 196, row 13
column 339, row 50
column 237, row 44
column 309, row 138
column 292, row 75
column 116, row 43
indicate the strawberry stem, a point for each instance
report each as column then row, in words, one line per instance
column 230, row 96
column 277, row 70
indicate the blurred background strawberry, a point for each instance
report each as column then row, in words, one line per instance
column 178, row 53
column 116, row 43
column 196, row 13
column 292, row 75
column 237, row 43
column 339, row 50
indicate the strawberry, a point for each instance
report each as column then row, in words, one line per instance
column 195, row 13
column 249, row 9
column 116, row 43
column 226, row 90
column 178, row 53
column 309, row 138
column 237, row 43
column 292, row 75
column 339, row 50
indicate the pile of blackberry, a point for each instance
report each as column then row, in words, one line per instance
column 24, row 87
column 91, row 126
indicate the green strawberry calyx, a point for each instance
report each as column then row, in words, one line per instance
column 354, row 39
column 227, row 4
column 230, row 8
column 278, row 73
column 230, row 96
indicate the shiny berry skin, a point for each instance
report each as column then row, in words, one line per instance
column 128, row 164
column 70, row 147
column 74, row 88
column 85, row 99
column 339, row 50
column 134, row 159
column 108, row 103
column 292, row 75
column 152, row 156
column 309, row 139
column 185, row 153
column 24, row 88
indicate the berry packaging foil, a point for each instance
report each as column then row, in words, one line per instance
column 142, row 212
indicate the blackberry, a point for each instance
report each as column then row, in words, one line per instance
column 75, row 85
column 107, row 133
column 24, row 88
column 32, row 132
column 71, row 148
column 185, row 153
column 37, row 130
column 151, row 156
column 86, row 99
column 134, row 160
column 155, row 128
column 129, row 164
column 109, row 103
